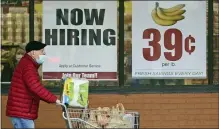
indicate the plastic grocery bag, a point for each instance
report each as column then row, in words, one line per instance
column 75, row 93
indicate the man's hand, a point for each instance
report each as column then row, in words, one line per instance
column 58, row 102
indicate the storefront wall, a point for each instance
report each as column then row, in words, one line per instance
column 186, row 110
column 169, row 110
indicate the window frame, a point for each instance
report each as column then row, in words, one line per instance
column 210, row 87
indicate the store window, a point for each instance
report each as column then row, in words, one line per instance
column 216, row 43
column 15, row 35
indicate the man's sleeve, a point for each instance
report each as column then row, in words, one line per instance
column 32, row 81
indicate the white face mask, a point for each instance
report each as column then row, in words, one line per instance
column 41, row 59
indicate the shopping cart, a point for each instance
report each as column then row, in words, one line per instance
column 96, row 118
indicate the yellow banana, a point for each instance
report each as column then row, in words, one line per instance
column 165, row 17
column 160, row 21
column 178, row 12
column 174, row 8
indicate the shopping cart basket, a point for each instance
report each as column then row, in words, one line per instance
column 88, row 118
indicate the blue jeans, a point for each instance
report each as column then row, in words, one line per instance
column 22, row 123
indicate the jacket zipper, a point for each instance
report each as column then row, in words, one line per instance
column 31, row 106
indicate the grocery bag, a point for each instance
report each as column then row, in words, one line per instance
column 119, row 118
column 75, row 93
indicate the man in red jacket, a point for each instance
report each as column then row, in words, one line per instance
column 26, row 90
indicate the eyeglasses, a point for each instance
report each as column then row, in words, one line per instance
column 43, row 52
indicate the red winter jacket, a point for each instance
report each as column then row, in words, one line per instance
column 26, row 91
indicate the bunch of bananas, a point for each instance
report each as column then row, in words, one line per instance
column 168, row 17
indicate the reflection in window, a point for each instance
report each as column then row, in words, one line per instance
column 14, row 36
column 216, row 43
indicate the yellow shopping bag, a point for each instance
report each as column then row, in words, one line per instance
column 75, row 93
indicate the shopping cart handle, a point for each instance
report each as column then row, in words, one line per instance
column 59, row 104
column 64, row 107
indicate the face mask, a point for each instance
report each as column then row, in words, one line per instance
column 41, row 59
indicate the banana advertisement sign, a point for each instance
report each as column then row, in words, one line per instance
column 167, row 17
column 169, row 39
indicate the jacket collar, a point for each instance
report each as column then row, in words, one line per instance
column 32, row 60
